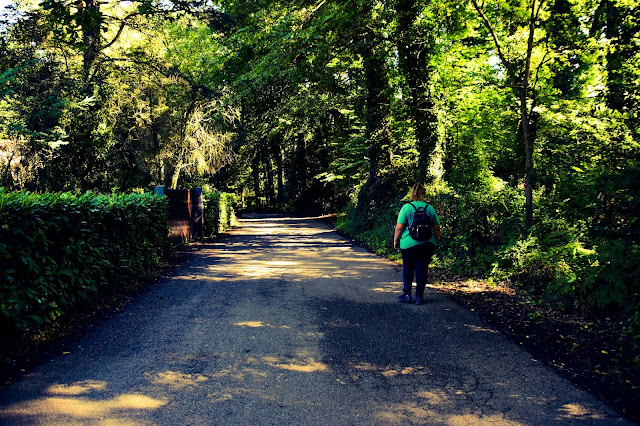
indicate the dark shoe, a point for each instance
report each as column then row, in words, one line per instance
column 420, row 300
column 405, row 298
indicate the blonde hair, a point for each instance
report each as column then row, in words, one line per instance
column 418, row 192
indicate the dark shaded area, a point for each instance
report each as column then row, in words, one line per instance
column 32, row 351
column 594, row 355
column 363, row 340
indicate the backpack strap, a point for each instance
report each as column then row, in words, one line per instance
column 416, row 210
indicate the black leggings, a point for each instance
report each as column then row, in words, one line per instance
column 416, row 259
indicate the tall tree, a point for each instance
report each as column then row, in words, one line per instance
column 523, row 63
column 416, row 44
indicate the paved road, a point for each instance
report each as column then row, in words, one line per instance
column 287, row 323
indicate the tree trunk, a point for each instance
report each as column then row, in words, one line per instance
column 621, row 34
column 378, row 103
column 414, row 54
column 175, row 176
column 256, row 181
column 5, row 177
column 377, row 130
column 521, row 79
column 90, row 22
column 270, row 187
column 528, row 150
column 527, row 134
column 301, row 164
column 277, row 154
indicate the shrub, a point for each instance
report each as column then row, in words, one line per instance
column 59, row 252
column 563, row 258
column 219, row 211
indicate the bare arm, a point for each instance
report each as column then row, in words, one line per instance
column 397, row 234
column 436, row 231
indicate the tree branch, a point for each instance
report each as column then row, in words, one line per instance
column 496, row 42
column 123, row 24
column 169, row 72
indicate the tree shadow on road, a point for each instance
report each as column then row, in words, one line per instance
column 435, row 365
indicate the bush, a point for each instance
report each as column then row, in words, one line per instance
column 378, row 235
column 60, row 252
column 219, row 211
column 476, row 224
column 561, row 259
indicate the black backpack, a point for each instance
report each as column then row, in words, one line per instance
column 420, row 228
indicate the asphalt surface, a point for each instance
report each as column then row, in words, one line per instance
column 284, row 322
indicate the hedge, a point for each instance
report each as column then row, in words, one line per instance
column 60, row 252
column 219, row 211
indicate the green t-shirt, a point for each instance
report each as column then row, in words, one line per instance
column 405, row 217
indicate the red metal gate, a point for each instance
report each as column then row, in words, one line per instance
column 186, row 219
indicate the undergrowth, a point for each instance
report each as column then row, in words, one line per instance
column 567, row 263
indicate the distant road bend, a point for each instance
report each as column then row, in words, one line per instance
column 286, row 322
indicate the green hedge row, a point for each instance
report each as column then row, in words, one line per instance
column 59, row 252
column 219, row 211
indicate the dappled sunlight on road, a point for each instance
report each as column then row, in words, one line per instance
column 258, row 324
column 386, row 288
column 67, row 409
column 285, row 322
column 240, row 373
column 78, row 388
column 578, row 411
column 429, row 398
column 279, row 248
column 235, row 380
column 301, row 366
column 227, row 394
column 415, row 412
column 268, row 250
column 279, row 226
column 387, row 370
column 412, row 393
column 176, row 380
column 481, row 420
column 243, row 378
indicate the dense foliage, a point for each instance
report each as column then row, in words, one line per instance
column 219, row 212
column 520, row 115
column 60, row 252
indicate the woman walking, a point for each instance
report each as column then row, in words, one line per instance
column 416, row 253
